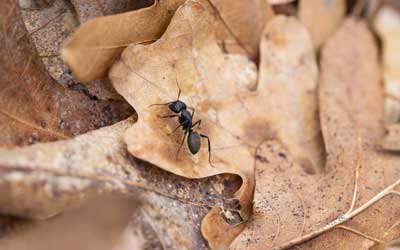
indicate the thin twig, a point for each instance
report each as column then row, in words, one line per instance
column 360, row 234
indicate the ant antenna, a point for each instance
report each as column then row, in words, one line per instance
column 179, row 92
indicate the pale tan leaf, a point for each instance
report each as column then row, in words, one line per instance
column 92, row 49
column 353, row 204
column 288, row 81
column 321, row 17
column 219, row 87
column 184, row 54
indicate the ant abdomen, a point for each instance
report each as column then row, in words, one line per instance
column 194, row 142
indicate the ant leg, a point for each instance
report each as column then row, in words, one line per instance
column 175, row 130
column 183, row 140
column 192, row 111
column 181, row 125
column 167, row 116
column 209, row 147
column 197, row 123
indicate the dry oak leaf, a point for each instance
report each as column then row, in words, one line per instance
column 33, row 107
column 92, row 49
column 354, row 203
column 217, row 86
column 321, row 17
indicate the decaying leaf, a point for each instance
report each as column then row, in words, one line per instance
column 95, row 225
column 387, row 24
column 66, row 172
column 88, row 9
column 354, row 203
column 288, row 80
column 163, row 223
column 237, row 17
column 218, row 87
column 92, row 49
column 32, row 106
column 142, row 220
column 47, row 28
column 321, row 17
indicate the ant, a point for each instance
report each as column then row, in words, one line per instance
column 185, row 121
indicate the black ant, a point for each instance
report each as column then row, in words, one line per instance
column 185, row 121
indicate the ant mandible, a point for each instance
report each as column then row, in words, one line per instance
column 185, row 121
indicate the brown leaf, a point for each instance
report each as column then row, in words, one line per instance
column 163, row 223
column 97, row 224
column 288, row 80
column 34, row 107
column 88, row 9
column 92, row 49
column 218, row 87
column 321, row 17
column 387, row 25
column 143, row 220
column 184, row 54
column 354, row 202
column 238, row 16
column 42, row 180
column 48, row 28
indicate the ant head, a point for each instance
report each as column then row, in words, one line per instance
column 177, row 106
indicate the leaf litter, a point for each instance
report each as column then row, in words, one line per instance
column 298, row 201
column 50, row 111
column 209, row 85
column 292, row 207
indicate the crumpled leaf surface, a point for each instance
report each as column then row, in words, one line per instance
column 97, row 224
column 49, row 26
column 49, row 111
column 142, row 220
column 387, row 25
column 39, row 187
column 217, row 86
column 321, row 17
column 67, row 172
column 354, row 203
column 97, row 43
column 164, row 223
